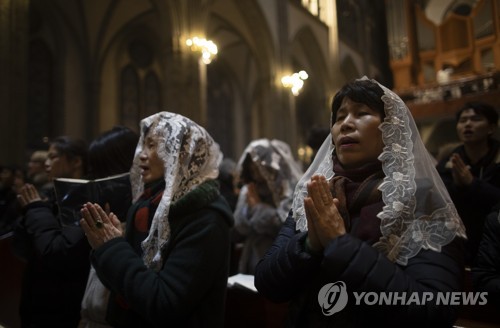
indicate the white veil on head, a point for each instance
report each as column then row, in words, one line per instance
column 418, row 212
column 190, row 157
column 275, row 162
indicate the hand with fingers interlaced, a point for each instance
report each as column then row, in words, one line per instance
column 99, row 226
column 324, row 221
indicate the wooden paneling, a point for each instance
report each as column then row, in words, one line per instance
column 468, row 44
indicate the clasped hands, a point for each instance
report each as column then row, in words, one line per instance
column 324, row 221
column 460, row 172
column 28, row 194
column 99, row 226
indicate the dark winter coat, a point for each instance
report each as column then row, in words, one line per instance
column 289, row 273
column 56, row 271
column 486, row 272
column 474, row 202
column 189, row 291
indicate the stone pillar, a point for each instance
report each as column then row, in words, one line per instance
column 286, row 129
column 14, row 35
column 186, row 89
column 185, row 86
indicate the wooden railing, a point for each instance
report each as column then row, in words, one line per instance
column 454, row 89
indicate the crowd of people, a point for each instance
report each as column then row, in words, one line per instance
column 373, row 212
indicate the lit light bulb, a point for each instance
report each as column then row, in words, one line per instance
column 207, row 48
column 295, row 82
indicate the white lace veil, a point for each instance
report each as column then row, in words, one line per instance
column 190, row 157
column 276, row 164
column 418, row 212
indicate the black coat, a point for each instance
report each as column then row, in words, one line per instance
column 486, row 272
column 289, row 273
column 189, row 291
column 474, row 202
column 57, row 268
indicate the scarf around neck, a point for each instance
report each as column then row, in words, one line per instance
column 417, row 211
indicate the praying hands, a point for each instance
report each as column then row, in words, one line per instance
column 324, row 221
column 99, row 227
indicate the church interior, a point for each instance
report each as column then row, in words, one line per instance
column 243, row 69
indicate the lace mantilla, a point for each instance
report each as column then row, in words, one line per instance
column 418, row 212
column 190, row 157
column 275, row 163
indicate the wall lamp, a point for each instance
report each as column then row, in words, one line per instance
column 294, row 82
column 207, row 48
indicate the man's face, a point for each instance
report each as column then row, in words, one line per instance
column 473, row 127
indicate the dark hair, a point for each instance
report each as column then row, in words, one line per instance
column 246, row 173
column 361, row 91
column 316, row 136
column 72, row 148
column 112, row 152
column 480, row 108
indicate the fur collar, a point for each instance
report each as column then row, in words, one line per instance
column 196, row 199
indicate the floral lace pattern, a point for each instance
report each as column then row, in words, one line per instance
column 275, row 163
column 418, row 212
column 190, row 157
column 323, row 166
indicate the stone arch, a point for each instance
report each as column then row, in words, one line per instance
column 259, row 37
column 141, row 55
column 245, row 58
column 223, row 103
column 237, row 64
column 311, row 103
column 136, row 45
column 49, row 38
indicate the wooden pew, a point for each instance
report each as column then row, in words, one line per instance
column 11, row 271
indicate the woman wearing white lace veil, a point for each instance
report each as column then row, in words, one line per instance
column 269, row 174
column 171, row 266
column 372, row 213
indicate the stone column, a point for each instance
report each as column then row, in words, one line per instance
column 186, row 89
column 14, row 35
column 286, row 129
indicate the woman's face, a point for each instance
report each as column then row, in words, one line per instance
column 151, row 164
column 59, row 166
column 356, row 135
column 255, row 174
